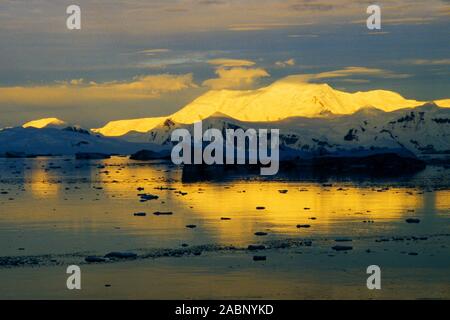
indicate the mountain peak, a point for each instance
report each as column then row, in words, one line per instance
column 46, row 123
column 121, row 127
column 445, row 103
column 289, row 97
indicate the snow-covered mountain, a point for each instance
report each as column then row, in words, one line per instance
column 66, row 141
column 121, row 127
column 314, row 119
column 423, row 131
column 285, row 98
column 46, row 123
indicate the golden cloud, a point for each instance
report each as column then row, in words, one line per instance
column 79, row 91
column 235, row 78
column 152, row 52
column 349, row 80
column 355, row 71
column 287, row 63
column 158, row 17
column 224, row 62
column 444, row 11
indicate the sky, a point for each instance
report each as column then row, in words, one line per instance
column 136, row 58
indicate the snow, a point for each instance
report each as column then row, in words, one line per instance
column 121, row 127
column 285, row 98
column 45, row 123
column 53, row 141
column 413, row 130
column 312, row 118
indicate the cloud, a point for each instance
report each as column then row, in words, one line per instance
column 235, row 78
column 314, row 6
column 359, row 71
column 303, row 36
column 348, row 75
column 401, row 21
column 265, row 26
column 152, row 52
column 234, row 74
column 412, row 20
column 287, row 63
column 211, row 2
column 173, row 59
column 355, row 80
column 158, row 17
column 428, row 62
column 78, row 91
column 444, row 11
column 224, row 62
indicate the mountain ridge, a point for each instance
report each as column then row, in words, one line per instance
column 45, row 123
column 423, row 131
column 285, row 98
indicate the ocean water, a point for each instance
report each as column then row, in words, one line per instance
column 54, row 210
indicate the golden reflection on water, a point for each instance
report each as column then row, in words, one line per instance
column 312, row 204
column 42, row 186
column 442, row 200
column 101, row 196
column 206, row 203
column 88, row 207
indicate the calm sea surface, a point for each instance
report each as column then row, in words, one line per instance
column 61, row 205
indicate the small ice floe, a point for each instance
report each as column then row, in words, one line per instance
column 162, row 213
column 259, row 258
column 121, row 255
column 147, row 197
column 343, row 240
column 165, row 188
column 342, row 248
column 94, row 259
column 253, row 247
column 139, row 214
column 260, row 233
